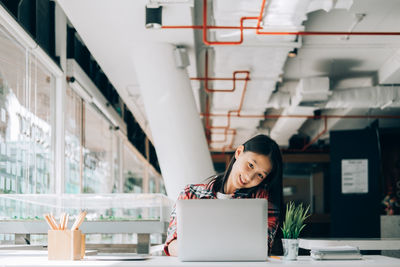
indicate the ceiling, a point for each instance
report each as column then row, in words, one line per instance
column 332, row 75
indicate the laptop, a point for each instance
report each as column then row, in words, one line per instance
column 222, row 229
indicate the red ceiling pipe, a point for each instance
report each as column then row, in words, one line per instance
column 205, row 27
column 227, row 127
column 304, row 116
column 226, row 147
column 209, row 127
column 258, row 28
column 315, row 139
column 235, row 111
column 325, row 117
column 234, row 79
column 200, row 27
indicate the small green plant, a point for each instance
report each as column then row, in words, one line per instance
column 294, row 220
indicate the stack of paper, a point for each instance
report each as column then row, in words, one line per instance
column 335, row 253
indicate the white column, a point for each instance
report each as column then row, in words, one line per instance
column 174, row 121
column 59, row 98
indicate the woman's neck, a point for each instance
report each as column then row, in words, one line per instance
column 228, row 187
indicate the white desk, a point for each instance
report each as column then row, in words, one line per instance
column 303, row 261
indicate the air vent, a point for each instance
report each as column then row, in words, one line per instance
column 311, row 92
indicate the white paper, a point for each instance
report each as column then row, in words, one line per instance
column 2, row 182
column 354, row 176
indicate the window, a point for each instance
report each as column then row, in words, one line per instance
column 25, row 120
column 13, row 126
column 97, row 152
column 40, row 156
column 133, row 170
column 73, row 144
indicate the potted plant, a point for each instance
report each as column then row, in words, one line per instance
column 292, row 226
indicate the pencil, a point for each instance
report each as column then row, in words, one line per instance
column 79, row 221
column 66, row 221
column 62, row 218
column 54, row 221
column 49, row 222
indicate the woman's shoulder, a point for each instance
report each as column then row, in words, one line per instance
column 198, row 191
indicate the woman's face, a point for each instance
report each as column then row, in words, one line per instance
column 249, row 170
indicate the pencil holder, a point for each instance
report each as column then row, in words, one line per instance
column 64, row 245
column 83, row 245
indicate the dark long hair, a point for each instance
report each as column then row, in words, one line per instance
column 264, row 145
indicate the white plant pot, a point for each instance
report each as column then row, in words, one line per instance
column 290, row 249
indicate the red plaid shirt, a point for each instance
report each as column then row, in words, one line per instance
column 204, row 191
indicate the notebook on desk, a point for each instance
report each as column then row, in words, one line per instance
column 222, row 230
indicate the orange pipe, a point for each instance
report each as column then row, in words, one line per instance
column 305, row 116
column 318, row 136
column 326, row 117
column 234, row 79
column 209, row 127
column 227, row 127
column 205, row 27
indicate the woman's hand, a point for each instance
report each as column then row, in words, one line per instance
column 173, row 248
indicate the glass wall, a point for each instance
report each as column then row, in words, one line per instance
column 13, row 103
column 116, row 166
column 40, row 152
column 97, row 159
column 133, row 171
column 26, row 89
column 97, row 152
column 91, row 149
column 73, row 138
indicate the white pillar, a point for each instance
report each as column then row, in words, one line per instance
column 174, row 121
column 59, row 98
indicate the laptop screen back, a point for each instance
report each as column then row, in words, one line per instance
column 222, row 230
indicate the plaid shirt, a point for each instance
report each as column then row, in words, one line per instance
column 204, row 191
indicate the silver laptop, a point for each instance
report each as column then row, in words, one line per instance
column 222, row 230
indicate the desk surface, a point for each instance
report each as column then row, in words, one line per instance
column 304, row 261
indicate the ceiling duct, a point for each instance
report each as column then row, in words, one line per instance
column 328, row 5
column 311, row 92
column 370, row 97
column 389, row 73
column 286, row 126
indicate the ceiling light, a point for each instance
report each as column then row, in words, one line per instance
column 153, row 17
column 293, row 53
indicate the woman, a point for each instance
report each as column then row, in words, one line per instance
column 255, row 171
